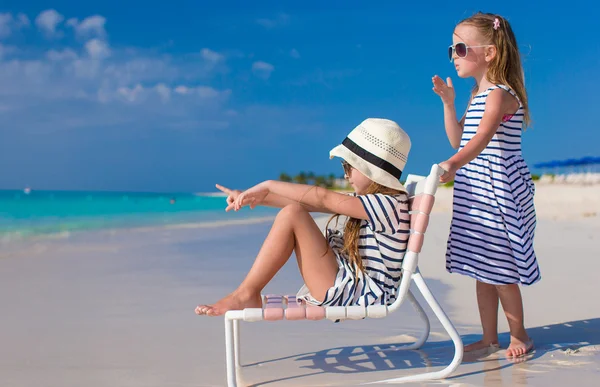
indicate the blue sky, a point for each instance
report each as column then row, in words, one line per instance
column 179, row 96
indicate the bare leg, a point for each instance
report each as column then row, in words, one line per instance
column 487, row 301
column 293, row 229
column 512, row 303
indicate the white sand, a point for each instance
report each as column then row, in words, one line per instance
column 102, row 309
column 552, row 201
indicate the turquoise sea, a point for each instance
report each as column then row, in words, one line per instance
column 24, row 214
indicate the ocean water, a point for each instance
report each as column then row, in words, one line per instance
column 37, row 213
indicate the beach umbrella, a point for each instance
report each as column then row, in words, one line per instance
column 590, row 162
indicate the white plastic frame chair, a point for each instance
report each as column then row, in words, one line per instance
column 421, row 192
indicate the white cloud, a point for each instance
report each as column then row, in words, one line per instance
column 281, row 20
column 97, row 84
column 5, row 24
column 22, row 20
column 90, row 26
column 211, row 56
column 97, row 49
column 83, row 69
column 85, row 76
column 66, row 54
column 205, row 95
column 294, row 53
column 126, row 71
column 183, row 90
column 131, row 94
column 204, row 92
column 163, row 91
column 262, row 69
column 6, row 50
column 8, row 23
column 47, row 21
column 72, row 22
column 212, row 62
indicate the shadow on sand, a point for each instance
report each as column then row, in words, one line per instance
column 569, row 336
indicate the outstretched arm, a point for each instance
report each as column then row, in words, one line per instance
column 314, row 198
column 271, row 200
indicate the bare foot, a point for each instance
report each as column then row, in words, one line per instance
column 234, row 301
column 518, row 348
column 479, row 345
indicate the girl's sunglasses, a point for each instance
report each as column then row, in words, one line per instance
column 462, row 50
column 347, row 167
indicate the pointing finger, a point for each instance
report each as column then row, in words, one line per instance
column 223, row 189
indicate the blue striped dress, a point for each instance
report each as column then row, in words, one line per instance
column 493, row 214
column 382, row 244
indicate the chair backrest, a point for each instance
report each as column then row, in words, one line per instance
column 421, row 193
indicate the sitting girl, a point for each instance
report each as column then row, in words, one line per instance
column 362, row 265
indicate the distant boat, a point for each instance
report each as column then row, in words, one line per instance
column 27, row 190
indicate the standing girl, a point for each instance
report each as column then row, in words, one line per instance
column 363, row 265
column 493, row 220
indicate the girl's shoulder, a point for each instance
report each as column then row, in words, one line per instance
column 402, row 197
column 502, row 98
column 387, row 213
column 507, row 89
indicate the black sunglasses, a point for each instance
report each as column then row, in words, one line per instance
column 462, row 50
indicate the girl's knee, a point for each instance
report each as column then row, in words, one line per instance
column 292, row 211
column 506, row 288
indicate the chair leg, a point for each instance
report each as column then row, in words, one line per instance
column 230, row 351
column 236, row 342
column 426, row 325
column 447, row 324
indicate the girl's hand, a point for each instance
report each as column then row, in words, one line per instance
column 232, row 194
column 450, row 171
column 251, row 197
column 446, row 92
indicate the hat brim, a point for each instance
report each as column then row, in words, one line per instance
column 374, row 173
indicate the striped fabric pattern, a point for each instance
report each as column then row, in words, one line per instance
column 493, row 221
column 382, row 245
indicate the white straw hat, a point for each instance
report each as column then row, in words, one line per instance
column 378, row 148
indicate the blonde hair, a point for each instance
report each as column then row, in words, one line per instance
column 352, row 227
column 505, row 68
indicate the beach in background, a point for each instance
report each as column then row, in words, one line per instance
column 112, row 304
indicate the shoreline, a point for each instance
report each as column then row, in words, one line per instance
column 14, row 239
column 552, row 201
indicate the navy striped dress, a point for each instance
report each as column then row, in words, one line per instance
column 493, row 214
column 382, row 244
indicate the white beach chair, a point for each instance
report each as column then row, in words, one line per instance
column 422, row 194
